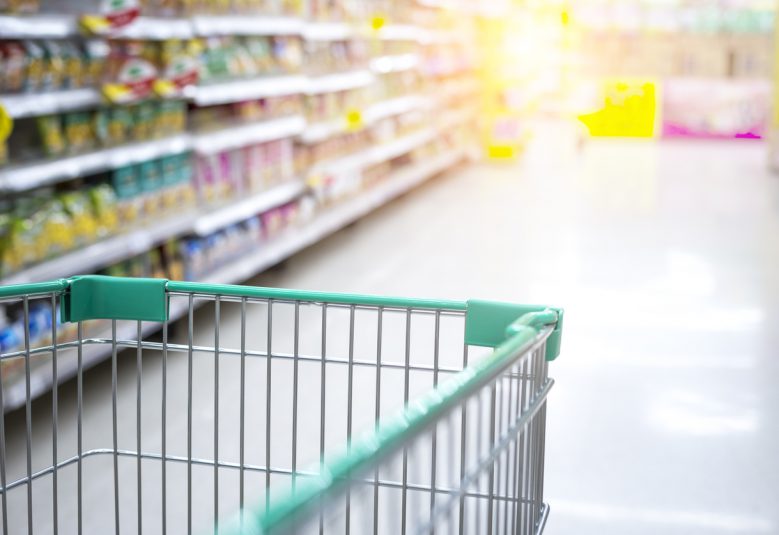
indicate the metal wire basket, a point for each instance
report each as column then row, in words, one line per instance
column 204, row 429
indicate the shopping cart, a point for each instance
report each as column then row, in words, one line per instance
column 182, row 427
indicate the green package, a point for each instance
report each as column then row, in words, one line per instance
column 126, row 184
column 79, row 134
column 83, row 224
column 151, row 186
column 38, row 77
column 119, row 125
column 144, row 117
column 105, row 208
column 101, row 119
column 50, row 131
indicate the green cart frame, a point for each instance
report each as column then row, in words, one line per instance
column 272, row 411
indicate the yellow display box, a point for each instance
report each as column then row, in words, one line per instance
column 630, row 109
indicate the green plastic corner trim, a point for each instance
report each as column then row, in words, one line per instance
column 491, row 323
column 98, row 297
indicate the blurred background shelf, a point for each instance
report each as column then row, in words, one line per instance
column 200, row 221
column 242, row 90
column 234, row 137
column 229, row 141
column 35, row 174
column 247, row 24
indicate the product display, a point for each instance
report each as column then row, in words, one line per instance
column 244, row 113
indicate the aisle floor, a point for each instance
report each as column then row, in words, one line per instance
column 664, row 256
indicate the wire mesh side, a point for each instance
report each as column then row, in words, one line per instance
column 479, row 470
column 177, row 429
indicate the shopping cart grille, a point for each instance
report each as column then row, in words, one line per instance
column 228, row 419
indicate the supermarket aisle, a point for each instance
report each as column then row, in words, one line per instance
column 664, row 255
column 662, row 418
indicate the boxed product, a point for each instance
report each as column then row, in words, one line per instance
column 126, row 183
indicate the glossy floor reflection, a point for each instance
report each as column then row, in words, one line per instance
column 665, row 256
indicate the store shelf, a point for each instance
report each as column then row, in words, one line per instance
column 395, row 106
column 374, row 155
column 35, row 104
column 401, row 62
column 250, row 134
column 103, row 253
column 32, row 175
column 117, row 248
column 333, row 219
column 37, row 26
column 317, row 132
column 242, row 90
column 403, row 32
column 243, row 210
column 276, row 250
column 455, row 118
column 156, row 29
column 247, row 25
column 328, row 31
column 340, row 81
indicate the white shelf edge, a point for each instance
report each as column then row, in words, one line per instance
column 328, row 31
column 156, row 29
column 241, row 90
column 280, row 248
column 242, row 210
column 316, row 132
column 37, row 26
column 249, row 134
column 395, row 63
column 403, row 32
column 32, row 175
column 35, row 104
column 374, row 155
column 247, row 25
column 395, row 106
column 340, row 81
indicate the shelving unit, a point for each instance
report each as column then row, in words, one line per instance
column 35, row 174
column 396, row 121
column 339, row 81
column 121, row 246
column 401, row 62
column 269, row 254
column 316, row 132
column 235, row 137
column 205, row 26
column 241, row 90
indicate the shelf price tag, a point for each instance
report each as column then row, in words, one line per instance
column 6, row 127
column 378, row 22
column 6, row 124
column 354, row 120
